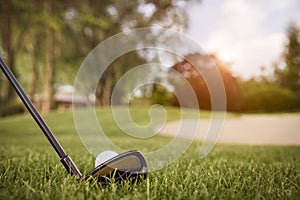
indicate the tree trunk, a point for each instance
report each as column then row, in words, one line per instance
column 50, row 73
column 50, row 59
column 106, row 91
column 35, row 63
column 6, row 40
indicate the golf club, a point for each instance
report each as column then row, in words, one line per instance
column 130, row 165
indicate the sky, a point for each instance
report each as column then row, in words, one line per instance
column 248, row 33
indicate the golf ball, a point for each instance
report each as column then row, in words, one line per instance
column 104, row 156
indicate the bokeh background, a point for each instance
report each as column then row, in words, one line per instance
column 255, row 45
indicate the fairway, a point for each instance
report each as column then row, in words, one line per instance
column 30, row 169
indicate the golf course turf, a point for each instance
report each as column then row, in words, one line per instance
column 30, row 169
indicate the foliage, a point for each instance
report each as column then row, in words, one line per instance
column 160, row 95
column 12, row 108
column 289, row 76
column 59, row 34
column 258, row 94
column 44, row 43
column 202, row 73
column 261, row 96
column 281, row 92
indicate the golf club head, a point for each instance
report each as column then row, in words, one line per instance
column 130, row 165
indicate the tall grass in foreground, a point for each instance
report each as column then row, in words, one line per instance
column 29, row 168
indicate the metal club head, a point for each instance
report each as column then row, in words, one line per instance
column 130, row 165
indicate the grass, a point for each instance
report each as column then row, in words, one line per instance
column 29, row 168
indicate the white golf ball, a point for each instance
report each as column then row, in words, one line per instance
column 104, row 156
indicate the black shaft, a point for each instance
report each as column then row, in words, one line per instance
column 70, row 166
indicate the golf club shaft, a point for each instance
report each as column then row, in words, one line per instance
column 65, row 159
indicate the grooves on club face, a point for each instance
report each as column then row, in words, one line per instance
column 130, row 166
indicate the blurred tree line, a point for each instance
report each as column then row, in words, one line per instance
column 276, row 92
column 44, row 42
column 199, row 68
column 279, row 91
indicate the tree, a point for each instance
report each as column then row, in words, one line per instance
column 54, row 34
column 12, row 18
column 194, row 74
column 289, row 77
column 129, row 14
column 258, row 95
